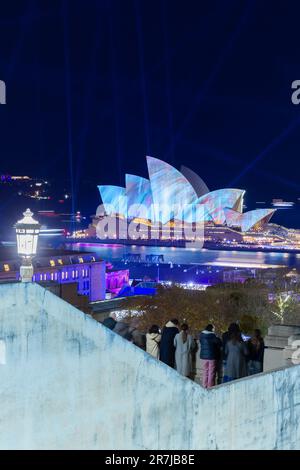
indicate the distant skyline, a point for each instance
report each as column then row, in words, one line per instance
column 93, row 87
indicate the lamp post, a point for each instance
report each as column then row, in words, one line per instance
column 27, row 231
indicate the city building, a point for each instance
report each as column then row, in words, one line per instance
column 62, row 267
column 238, row 275
column 116, row 280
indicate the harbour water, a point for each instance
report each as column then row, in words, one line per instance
column 204, row 257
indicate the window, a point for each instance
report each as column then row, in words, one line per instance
column 67, row 275
column 60, row 261
column 41, row 277
column 52, row 276
column 73, row 274
column 55, row 276
column 80, row 259
column 63, row 275
column 52, row 262
column 45, row 277
column 6, row 267
column 76, row 273
column 83, row 273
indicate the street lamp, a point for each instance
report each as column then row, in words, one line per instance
column 27, row 231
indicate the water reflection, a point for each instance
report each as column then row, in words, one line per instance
column 190, row 256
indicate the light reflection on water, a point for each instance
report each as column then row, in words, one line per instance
column 191, row 256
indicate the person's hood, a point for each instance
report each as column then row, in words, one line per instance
column 206, row 332
column 171, row 325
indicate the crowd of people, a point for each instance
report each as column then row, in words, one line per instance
column 222, row 359
column 230, row 357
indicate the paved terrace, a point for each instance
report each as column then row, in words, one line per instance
column 67, row 382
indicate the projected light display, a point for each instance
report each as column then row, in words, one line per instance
column 249, row 219
column 170, row 189
column 139, row 197
column 114, row 199
column 169, row 195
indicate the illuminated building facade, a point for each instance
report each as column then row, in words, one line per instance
column 170, row 199
column 255, row 219
column 87, row 270
column 138, row 197
column 114, row 199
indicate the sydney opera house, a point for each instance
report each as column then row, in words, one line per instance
column 171, row 199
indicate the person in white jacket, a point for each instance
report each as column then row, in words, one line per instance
column 152, row 341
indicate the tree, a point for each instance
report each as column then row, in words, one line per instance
column 285, row 308
column 220, row 305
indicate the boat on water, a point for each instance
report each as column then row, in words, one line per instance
column 281, row 204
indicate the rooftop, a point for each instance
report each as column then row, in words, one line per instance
column 46, row 258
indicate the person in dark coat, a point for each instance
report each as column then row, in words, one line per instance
column 167, row 348
column 256, row 347
column 110, row 322
column 210, row 354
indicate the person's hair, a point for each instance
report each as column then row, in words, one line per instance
column 256, row 339
column 154, row 329
column 184, row 329
column 257, row 333
column 235, row 337
column 209, row 327
column 233, row 328
column 175, row 321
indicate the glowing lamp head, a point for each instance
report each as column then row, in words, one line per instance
column 27, row 231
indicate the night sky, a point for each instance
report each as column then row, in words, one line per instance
column 95, row 85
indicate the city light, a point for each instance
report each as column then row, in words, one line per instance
column 27, row 232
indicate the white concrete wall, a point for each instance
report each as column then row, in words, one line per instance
column 70, row 383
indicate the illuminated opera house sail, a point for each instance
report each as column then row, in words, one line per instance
column 171, row 196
